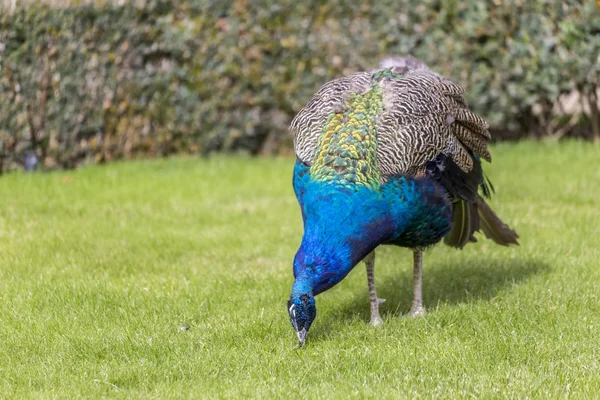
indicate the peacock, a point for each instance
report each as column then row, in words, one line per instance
column 387, row 156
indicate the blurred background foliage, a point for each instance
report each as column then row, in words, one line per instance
column 104, row 81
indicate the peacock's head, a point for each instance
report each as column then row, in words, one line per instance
column 302, row 310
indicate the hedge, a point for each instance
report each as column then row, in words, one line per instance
column 87, row 84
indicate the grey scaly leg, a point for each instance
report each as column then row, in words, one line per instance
column 370, row 262
column 417, row 304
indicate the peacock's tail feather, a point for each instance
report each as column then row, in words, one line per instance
column 493, row 227
column 470, row 217
column 465, row 222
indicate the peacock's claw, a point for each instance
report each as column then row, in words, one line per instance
column 416, row 312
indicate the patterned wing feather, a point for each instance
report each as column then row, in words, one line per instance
column 426, row 115
column 423, row 115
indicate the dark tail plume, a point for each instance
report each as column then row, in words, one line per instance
column 493, row 227
column 470, row 217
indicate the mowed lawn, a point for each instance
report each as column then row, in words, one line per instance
column 101, row 267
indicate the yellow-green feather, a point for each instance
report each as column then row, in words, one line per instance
column 347, row 151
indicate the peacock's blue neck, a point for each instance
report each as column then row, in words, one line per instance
column 341, row 227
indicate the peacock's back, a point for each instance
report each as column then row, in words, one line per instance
column 394, row 120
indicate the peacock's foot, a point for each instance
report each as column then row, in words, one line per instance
column 375, row 318
column 416, row 312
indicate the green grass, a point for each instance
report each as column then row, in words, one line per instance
column 100, row 267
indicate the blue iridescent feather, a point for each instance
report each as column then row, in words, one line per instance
column 342, row 225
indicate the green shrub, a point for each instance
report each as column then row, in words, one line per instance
column 95, row 84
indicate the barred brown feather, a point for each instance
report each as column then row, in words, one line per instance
column 424, row 115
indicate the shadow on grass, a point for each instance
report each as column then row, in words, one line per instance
column 442, row 284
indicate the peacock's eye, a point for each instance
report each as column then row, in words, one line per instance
column 304, row 299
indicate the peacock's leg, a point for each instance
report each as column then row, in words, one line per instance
column 370, row 262
column 417, row 304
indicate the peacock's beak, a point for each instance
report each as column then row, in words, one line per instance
column 302, row 336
